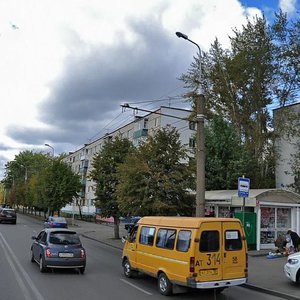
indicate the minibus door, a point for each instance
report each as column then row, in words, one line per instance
column 234, row 252
column 132, row 247
column 208, row 259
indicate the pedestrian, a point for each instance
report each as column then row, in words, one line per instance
column 280, row 244
column 295, row 239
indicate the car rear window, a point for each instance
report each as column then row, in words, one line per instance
column 59, row 219
column 9, row 211
column 64, row 238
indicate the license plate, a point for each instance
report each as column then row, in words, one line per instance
column 209, row 272
column 63, row 254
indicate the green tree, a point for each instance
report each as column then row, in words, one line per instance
column 238, row 86
column 59, row 185
column 226, row 158
column 155, row 181
column 104, row 174
column 18, row 173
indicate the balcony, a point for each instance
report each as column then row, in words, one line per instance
column 140, row 133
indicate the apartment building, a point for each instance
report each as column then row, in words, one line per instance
column 287, row 146
column 137, row 130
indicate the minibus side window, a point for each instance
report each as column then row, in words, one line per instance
column 184, row 240
column 166, row 238
column 233, row 240
column 147, row 235
column 209, row 241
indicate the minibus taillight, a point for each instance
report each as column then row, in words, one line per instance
column 192, row 264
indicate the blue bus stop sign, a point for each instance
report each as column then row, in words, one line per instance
column 243, row 187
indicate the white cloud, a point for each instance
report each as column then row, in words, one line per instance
column 60, row 67
column 288, row 6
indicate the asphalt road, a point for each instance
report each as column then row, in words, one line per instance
column 21, row 280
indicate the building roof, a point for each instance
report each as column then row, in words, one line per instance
column 263, row 195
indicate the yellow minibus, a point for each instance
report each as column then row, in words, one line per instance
column 201, row 253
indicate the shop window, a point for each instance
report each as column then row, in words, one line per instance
column 209, row 241
column 267, row 217
column 283, row 217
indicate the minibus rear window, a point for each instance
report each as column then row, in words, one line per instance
column 184, row 240
column 209, row 241
column 233, row 240
column 147, row 235
column 166, row 238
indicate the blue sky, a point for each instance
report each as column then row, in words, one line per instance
column 269, row 6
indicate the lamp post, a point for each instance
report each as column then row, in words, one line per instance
column 200, row 138
column 52, row 157
column 51, row 148
column 26, row 172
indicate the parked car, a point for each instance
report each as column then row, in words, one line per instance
column 56, row 222
column 292, row 267
column 58, row 248
column 130, row 222
column 8, row 215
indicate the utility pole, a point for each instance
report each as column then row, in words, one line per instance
column 200, row 138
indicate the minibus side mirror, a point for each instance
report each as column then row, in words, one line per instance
column 124, row 239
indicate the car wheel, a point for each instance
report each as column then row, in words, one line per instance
column 164, row 285
column 128, row 272
column 42, row 267
column 32, row 256
column 81, row 270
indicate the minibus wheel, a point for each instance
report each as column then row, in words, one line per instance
column 164, row 285
column 128, row 272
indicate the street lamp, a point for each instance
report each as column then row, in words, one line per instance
column 26, row 172
column 200, row 138
column 51, row 148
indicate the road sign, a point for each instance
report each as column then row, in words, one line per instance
column 243, row 187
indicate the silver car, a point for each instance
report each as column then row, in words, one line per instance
column 292, row 267
column 58, row 248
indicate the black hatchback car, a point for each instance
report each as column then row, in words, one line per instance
column 8, row 215
column 58, row 248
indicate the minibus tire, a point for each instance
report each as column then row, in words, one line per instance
column 128, row 272
column 164, row 285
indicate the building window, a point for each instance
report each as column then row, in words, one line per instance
column 192, row 142
column 192, row 125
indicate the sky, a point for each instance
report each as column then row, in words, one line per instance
column 67, row 66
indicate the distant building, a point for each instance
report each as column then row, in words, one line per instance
column 135, row 131
column 287, row 147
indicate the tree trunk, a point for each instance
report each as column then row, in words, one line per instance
column 116, row 228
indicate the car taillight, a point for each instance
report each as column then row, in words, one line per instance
column 48, row 252
column 82, row 253
column 192, row 264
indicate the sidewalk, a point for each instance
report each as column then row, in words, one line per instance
column 265, row 275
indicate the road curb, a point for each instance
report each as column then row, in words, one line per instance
column 270, row 292
column 101, row 241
